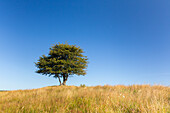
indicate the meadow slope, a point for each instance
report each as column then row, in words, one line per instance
column 98, row 99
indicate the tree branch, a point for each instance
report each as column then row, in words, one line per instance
column 58, row 78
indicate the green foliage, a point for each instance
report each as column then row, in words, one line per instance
column 82, row 85
column 63, row 61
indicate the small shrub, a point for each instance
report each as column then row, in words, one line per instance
column 82, row 85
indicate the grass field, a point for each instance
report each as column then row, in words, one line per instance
column 98, row 99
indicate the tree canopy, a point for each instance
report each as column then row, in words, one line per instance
column 63, row 61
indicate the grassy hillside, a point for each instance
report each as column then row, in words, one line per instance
column 99, row 99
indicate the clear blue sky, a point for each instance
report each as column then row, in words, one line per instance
column 127, row 41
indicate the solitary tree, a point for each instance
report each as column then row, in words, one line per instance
column 63, row 61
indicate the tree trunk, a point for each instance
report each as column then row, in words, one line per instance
column 58, row 78
column 64, row 83
column 64, row 79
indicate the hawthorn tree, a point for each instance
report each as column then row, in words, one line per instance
column 63, row 61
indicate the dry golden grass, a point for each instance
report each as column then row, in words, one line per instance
column 99, row 99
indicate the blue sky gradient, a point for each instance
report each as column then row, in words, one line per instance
column 127, row 41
